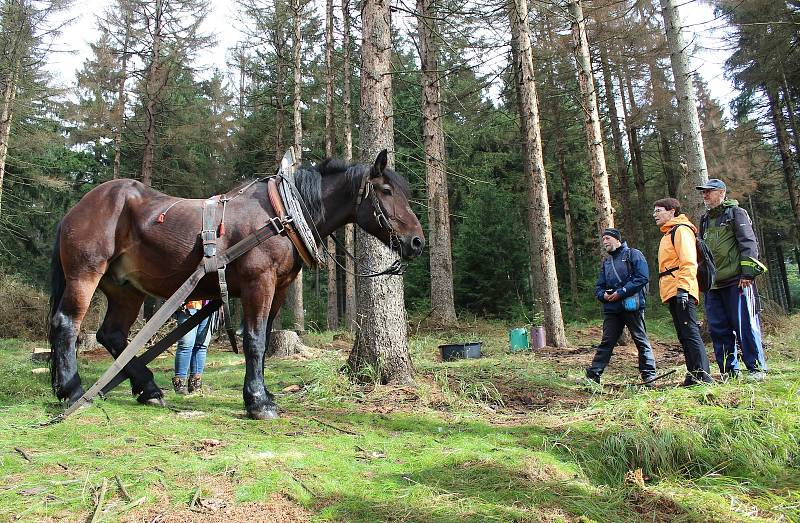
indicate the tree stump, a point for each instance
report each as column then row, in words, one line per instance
column 283, row 343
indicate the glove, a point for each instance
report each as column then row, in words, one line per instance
column 682, row 298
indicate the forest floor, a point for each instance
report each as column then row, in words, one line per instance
column 507, row 437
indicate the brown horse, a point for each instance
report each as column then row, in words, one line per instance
column 113, row 238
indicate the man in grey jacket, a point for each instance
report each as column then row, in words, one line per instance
column 731, row 305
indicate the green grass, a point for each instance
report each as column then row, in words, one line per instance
column 503, row 438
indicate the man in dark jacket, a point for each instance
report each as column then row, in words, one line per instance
column 731, row 305
column 620, row 287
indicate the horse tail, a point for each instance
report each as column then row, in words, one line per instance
column 58, row 284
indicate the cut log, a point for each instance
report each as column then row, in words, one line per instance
column 40, row 354
column 287, row 344
column 283, row 343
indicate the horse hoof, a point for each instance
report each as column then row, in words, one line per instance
column 72, row 398
column 152, row 402
column 264, row 414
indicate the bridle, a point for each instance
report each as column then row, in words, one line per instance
column 397, row 267
column 367, row 191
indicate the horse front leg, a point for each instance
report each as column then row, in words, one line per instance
column 256, row 304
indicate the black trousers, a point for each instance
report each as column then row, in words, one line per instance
column 694, row 352
column 613, row 324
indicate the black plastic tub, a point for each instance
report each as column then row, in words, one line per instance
column 457, row 351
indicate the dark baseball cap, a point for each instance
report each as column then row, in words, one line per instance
column 713, row 183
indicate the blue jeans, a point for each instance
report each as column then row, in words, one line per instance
column 613, row 324
column 190, row 357
column 732, row 316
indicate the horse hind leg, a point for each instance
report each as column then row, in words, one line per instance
column 124, row 303
column 66, row 316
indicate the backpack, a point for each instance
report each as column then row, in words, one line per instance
column 706, row 269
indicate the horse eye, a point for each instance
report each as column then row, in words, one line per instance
column 386, row 189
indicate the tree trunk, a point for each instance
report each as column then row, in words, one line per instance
column 153, row 90
column 349, row 230
column 783, row 276
column 441, row 259
column 333, row 302
column 646, row 245
column 789, row 173
column 541, row 233
column 619, row 154
column 792, row 118
column 591, row 118
column 280, row 81
column 6, row 114
column 296, row 288
column 661, row 98
column 380, row 352
column 562, row 171
column 687, row 108
column 121, row 93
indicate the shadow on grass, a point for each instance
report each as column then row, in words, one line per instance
column 478, row 491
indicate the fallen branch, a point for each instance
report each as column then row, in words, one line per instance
column 195, row 497
column 24, row 454
column 345, row 431
column 100, row 500
column 122, row 488
column 651, row 380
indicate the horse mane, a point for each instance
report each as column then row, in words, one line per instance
column 308, row 181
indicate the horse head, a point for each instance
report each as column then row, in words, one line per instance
column 384, row 211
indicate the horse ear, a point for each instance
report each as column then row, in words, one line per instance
column 380, row 163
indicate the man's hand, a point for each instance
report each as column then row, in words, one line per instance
column 745, row 282
column 682, row 297
column 612, row 297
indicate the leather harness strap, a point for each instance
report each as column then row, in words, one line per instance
column 288, row 222
column 210, row 262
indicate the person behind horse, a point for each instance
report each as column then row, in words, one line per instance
column 620, row 288
column 190, row 357
column 731, row 304
column 678, row 286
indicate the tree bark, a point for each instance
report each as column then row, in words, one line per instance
column 661, row 98
column 380, row 352
column 787, row 96
column 441, row 259
column 789, row 173
column 333, row 302
column 562, row 171
column 295, row 294
column 619, row 154
column 687, row 108
column 153, row 90
column 121, row 92
column 541, row 234
column 784, row 279
column 349, row 230
column 591, row 118
column 6, row 114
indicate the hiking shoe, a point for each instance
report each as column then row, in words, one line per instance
column 589, row 383
column 758, row 375
column 646, row 383
column 725, row 377
column 195, row 383
column 179, row 385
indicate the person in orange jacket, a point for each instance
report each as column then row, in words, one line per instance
column 677, row 285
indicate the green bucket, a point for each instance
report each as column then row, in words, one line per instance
column 518, row 339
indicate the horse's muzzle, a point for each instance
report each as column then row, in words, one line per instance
column 411, row 247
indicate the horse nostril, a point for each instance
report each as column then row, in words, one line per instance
column 417, row 243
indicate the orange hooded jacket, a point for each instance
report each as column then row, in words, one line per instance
column 682, row 256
